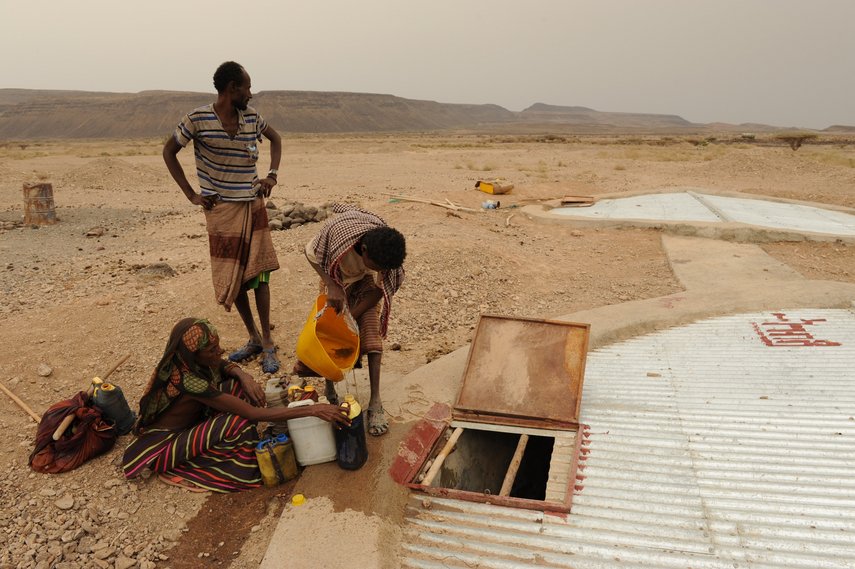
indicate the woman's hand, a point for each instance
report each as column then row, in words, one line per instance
column 332, row 413
column 254, row 391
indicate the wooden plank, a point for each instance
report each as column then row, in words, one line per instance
column 515, row 429
column 577, row 201
column 511, row 474
column 440, row 458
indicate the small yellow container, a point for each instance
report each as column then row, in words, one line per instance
column 494, row 186
column 351, row 407
column 276, row 460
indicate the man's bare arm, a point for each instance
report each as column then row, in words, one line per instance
column 170, row 156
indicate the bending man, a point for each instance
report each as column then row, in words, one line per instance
column 359, row 259
column 225, row 137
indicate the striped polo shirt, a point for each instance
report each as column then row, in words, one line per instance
column 225, row 165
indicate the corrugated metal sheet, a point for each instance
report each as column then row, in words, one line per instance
column 708, row 446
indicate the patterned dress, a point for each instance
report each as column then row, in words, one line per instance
column 218, row 452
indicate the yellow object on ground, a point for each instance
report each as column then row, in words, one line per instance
column 329, row 342
column 496, row 186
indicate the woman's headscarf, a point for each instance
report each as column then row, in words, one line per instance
column 178, row 371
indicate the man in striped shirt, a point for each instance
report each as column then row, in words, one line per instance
column 225, row 136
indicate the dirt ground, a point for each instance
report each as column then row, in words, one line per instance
column 75, row 304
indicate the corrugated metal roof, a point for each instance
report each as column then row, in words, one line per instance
column 707, row 446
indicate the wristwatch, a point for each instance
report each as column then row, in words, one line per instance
column 273, row 174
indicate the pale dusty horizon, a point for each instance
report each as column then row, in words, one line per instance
column 777, row 62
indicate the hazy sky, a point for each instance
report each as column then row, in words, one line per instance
column 781, row 62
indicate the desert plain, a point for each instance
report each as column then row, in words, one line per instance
column 129, row 257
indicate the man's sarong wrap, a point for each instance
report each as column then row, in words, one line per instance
column 241, row 246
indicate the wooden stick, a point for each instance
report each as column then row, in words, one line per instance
column 440, row 458
column 429, row 202
column 577, row 201
column 68, row 419
column 511, row 474
column 115, row 367
column 409, row 199
column 21, row 404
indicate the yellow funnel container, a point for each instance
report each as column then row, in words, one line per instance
column 329, row 342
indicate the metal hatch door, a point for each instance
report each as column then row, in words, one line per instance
column 524, row 372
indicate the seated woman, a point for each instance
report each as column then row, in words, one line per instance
column 196, row 425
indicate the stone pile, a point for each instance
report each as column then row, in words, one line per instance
column 7, row 225
column 295, row 214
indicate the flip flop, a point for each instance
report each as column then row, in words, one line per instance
column 179, row 482
column 377, row 423
column 270, row 363
column 246, row 352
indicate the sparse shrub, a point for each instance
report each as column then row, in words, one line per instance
column 795, row 139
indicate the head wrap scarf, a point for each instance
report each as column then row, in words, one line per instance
column 338, row 236
column 178, row 371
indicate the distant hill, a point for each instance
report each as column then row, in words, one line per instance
column 543, row 113
column 32, row 114
column 312, row 111
column 840, row 128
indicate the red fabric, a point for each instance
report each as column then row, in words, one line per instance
column 88, row 436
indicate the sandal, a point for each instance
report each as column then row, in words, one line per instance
column 178, row 482
column 270, row 363
column 247, row 351
column 377, row 423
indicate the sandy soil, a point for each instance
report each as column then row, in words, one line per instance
column 77, row 304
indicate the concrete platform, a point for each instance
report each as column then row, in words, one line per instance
column 396, row 529
column 707, row 213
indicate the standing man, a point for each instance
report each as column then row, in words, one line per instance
column 225, row 137
column 359, row 259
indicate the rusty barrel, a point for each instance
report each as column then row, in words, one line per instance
column 38, row 204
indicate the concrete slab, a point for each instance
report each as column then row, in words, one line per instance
column 706, row 213
column 674, row 207
column 696, row 261
column 782, row 215
column 311, row 536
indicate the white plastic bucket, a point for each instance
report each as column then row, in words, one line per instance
column 314, row 441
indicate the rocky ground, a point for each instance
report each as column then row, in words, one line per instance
column 129, row 258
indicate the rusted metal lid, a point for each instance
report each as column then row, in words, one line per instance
column 524, row 372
